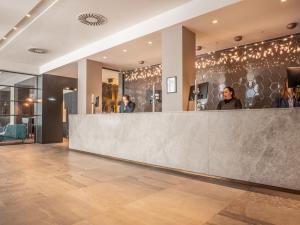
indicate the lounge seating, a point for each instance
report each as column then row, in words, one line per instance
column 13, row 132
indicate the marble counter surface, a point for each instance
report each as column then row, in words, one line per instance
column 261, row 146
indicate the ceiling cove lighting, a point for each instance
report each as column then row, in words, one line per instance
column 37, row 10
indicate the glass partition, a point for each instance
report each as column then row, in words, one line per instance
column 20, row 104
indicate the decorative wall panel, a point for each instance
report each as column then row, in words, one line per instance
column 256, row 72
column 139, row 85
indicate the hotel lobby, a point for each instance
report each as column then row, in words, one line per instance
column 150, row 112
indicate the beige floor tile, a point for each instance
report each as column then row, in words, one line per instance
column 177, row 205
column 270, row 209
column 209, row 190
column 49, row 185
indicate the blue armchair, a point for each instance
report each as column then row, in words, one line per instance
column 13, row 132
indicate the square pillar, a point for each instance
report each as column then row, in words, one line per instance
column 89, row 86
column 178, row 59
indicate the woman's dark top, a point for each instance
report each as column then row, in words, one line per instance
column 281, row 102
column 127, row 109
column 233, row 103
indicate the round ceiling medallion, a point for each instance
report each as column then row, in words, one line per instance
column 92, row 19
column 38, row 50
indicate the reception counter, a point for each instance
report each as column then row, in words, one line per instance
column 259, row 145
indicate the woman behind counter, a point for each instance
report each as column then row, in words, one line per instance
column 230, row 101
column 287, row 97
column 127, row 106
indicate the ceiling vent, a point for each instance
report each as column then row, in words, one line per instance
column 92, row 19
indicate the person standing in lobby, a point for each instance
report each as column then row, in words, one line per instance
column 230, row 101
column 127, row 106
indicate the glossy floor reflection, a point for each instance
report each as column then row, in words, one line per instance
column 47, row 184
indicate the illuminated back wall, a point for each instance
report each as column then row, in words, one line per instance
column 255, row 71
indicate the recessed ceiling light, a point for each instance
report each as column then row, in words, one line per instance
column 38, row 50
column 28, row 15
column 215, row 21
column 124, row 50
column 104, row 57
column 14, row 28
column 238, row 38
column 283, row 0
column 291, row 26
column 150, row 42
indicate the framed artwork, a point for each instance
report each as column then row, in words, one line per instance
column 172, row 84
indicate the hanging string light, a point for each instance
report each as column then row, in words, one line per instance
column 257, row 54
column 149, row 72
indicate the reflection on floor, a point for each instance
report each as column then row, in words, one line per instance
column 47, row 184
column 14, row 142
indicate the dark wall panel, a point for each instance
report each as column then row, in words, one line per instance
column 52, row 128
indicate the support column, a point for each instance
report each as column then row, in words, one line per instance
column 12, row 105
column 178, row 59
column 89, row 85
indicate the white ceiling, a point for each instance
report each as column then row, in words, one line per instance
column 255, row 20
column 59, row 30
column 137, row 50
column 12, row 11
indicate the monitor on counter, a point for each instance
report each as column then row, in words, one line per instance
column 293, row 74
column 203, row 90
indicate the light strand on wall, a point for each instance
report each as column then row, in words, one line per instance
column 143, row 73
column 255, row 55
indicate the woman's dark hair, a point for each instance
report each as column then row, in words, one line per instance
column 127, row 97
column 231, row 90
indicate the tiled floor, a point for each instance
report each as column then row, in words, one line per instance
column 47, row 184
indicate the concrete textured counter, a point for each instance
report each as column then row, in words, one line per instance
column 261, row 146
